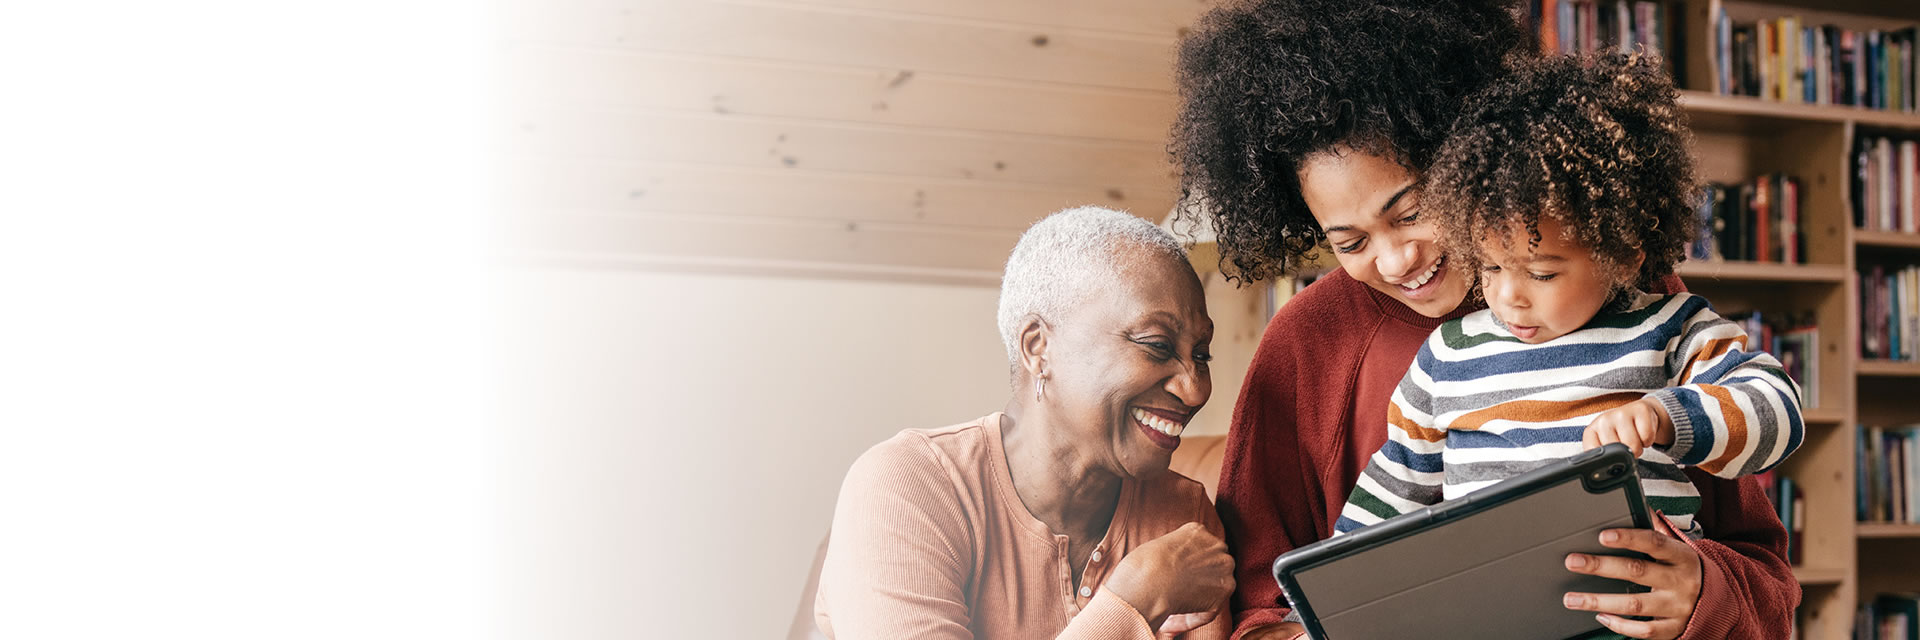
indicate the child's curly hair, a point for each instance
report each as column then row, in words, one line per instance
column 1599, row 142
column 1267, row 83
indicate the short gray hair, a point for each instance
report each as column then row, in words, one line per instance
column 1067, row 257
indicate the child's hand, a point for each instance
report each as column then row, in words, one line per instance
column 1639, row 425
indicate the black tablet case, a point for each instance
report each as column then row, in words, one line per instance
column 1487, row 565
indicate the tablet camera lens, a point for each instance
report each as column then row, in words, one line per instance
column 1615, row 470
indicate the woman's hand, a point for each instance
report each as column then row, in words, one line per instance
column 1673, row 574
column 1185, row 571
column 1639, row 424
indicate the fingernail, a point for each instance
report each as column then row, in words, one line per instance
column 1609, row 536
column 1571, row 601
column 1576, row 561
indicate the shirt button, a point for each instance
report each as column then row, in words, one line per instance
column 1096, row 556
column 1086, row 591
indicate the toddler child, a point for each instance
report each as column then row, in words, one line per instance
column 1569, row 188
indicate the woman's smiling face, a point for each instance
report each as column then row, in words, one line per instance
column 1368, row 207
column 1129, row 367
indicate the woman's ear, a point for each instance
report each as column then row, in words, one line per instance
column 1033, row 346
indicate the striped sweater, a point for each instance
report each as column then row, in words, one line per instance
column 1479, row 406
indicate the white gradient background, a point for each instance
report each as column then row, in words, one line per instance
column 244, row 343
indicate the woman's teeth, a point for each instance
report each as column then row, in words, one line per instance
column 1157, row 423
column 1424, row 277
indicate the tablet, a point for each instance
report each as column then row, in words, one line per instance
column 1491, row 564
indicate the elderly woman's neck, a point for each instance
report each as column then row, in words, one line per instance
column 1058, row 482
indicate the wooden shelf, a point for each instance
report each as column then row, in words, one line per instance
column 1738, row 271
column 1819, row 575
column 1886, row 239
column 1824, row 415
column 1885, row 9
column 1718, row 111
column 1888, row 368
column 1887, row 530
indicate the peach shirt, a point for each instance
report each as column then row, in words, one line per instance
column 930, row 540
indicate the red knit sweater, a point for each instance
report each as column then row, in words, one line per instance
column 1314, row 409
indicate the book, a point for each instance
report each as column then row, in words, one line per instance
column 1758, row 220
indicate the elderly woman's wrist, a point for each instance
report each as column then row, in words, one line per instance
column 1122, row 585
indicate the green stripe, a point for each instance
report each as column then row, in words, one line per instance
column 1366, row 500
column 1629, row 319
column 1675, row 505
column 1780, row 373
column 1452, row 335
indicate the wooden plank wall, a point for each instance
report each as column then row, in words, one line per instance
column 869, row 138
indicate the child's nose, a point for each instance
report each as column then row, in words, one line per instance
column 1506, row 295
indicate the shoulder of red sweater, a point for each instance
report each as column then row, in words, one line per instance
column 1335, row 294
column 1334, row 308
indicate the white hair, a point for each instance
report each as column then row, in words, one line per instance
column 1066, row 258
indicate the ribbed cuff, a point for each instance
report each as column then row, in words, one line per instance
column 1713, row 615
column 1110, row 616
column 1682, row 424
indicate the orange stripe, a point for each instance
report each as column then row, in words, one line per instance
column 1545, row 410
column 1413, row 429
column 1736, row 428
column 1712, row 349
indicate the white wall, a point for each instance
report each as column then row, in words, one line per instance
column 676, row 441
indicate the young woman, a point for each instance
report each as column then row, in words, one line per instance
column 1310, row 123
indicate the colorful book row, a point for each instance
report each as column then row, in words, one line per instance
column 1585, row 26
column 1886, row 184
column 1887, row 474
column 1890, row 313
column 1782, row 59
column 1757, row 220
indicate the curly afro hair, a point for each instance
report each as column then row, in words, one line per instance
column 1267, row 83
column 1598, row 142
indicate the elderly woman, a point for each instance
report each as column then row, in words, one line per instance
column 1057, row 517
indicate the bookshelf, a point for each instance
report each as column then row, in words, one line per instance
column 1844, row 563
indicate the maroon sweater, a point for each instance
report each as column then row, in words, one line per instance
column 1314, row 409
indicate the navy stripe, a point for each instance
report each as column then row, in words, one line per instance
column 1796, row 426
column 1513, row 438
column 1731, row 361
column 1421, row 462
column 1549, row 357
column 1698, row 418
column 1347, row 525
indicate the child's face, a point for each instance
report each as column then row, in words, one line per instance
column 1541, row 293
